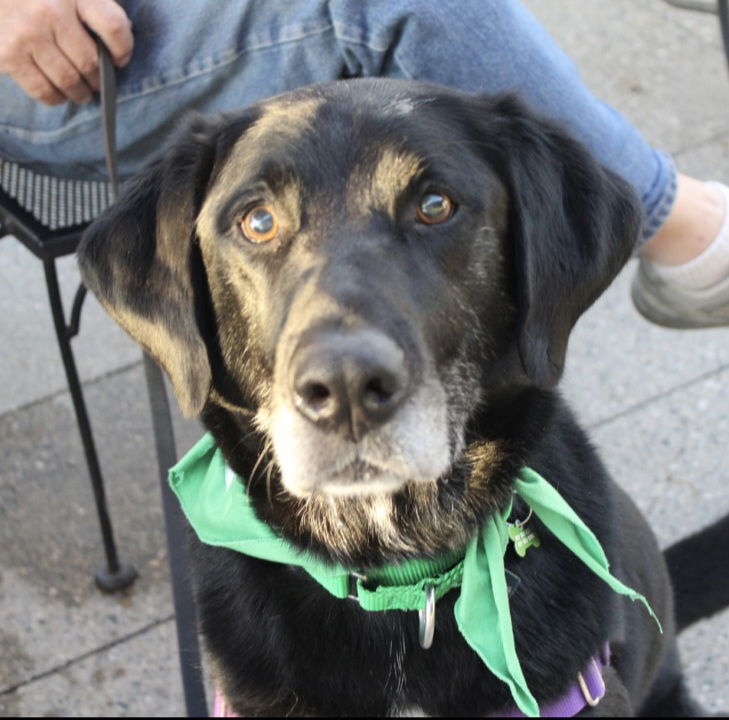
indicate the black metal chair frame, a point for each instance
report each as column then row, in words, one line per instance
column 48, row 245
column 50, row 225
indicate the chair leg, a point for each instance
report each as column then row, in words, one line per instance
column 185, row 616
column 114, row 576
column 724, row 25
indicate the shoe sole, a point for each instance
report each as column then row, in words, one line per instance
column 659, row 313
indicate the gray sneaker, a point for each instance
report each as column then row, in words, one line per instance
column 666, row 304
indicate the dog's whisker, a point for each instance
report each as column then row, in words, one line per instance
column 250, row 479
column 269, row 475
column 261, row 456
column 293, row 707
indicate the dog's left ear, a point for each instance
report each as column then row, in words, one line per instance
column 572, row 226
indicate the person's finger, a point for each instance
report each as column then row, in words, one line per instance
column 109, row 21
column 61, row 72
column 81, row 50
column 37, row 85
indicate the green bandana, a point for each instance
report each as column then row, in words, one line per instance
column 218, row 508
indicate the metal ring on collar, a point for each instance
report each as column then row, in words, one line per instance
column 427, row 619
column 353, row 578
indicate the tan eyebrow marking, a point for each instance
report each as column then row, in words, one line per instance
column 380, row 188
column 287, row 118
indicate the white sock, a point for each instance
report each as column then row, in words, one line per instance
column 711, row 266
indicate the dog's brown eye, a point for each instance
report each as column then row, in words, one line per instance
column 259, row 225
column 434, row 208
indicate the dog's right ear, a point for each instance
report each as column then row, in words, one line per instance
column 140, row 256
column 572, row 226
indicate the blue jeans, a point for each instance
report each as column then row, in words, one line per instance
column 220, row 55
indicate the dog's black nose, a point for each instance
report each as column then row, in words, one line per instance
column 349, row 381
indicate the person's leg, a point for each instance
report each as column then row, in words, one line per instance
column 496, row 47
column 205, row 56
column 683, row 275
column 694, row 221
column 493, row 47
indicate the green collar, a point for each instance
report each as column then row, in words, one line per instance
column 219, row 510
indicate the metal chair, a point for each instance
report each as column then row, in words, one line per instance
column 48, row 216
column 721, row 7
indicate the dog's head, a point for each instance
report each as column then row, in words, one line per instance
column 362, row 265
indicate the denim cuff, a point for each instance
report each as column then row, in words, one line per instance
column 659, row 200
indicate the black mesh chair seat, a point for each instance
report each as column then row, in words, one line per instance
column 56, row 203
column 46, row 213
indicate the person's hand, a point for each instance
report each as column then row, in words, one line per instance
column 47, row 49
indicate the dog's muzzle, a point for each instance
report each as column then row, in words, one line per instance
column 355, row 413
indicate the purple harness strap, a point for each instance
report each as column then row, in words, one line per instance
column 589, row 689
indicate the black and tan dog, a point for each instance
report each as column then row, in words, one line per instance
column 366, row 290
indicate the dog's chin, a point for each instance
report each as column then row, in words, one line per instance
column 412, row 448
column 358, row 480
